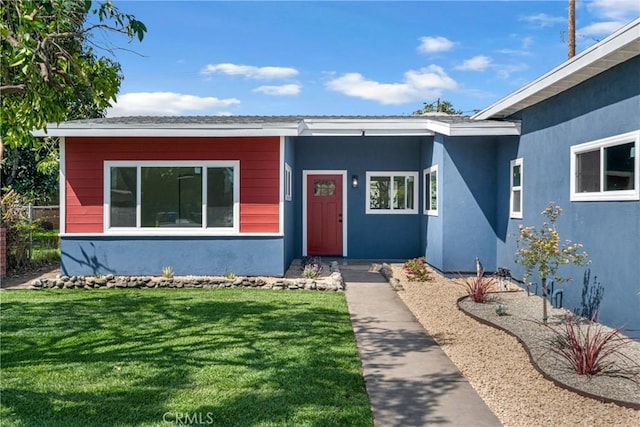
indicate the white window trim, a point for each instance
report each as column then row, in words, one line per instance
column 433, row 170
column 391, row 210
column 601, row 144
column 516, row 162
column 288, row 182
column 172, row 231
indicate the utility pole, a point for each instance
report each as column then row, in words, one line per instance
column 572, row 28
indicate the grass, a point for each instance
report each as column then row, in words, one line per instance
column 217, row 357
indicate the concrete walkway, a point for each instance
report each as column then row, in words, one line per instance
column 409, row 379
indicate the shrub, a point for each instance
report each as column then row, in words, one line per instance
column 501, row 310
column 16, row 220
column 311, row 267
column 167, row 272
column 417, row 269
column 478, row 286
column 592, row 349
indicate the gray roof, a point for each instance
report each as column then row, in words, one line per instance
column 245, row 120
column 396, row 125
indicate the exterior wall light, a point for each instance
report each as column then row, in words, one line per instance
column 354, row 181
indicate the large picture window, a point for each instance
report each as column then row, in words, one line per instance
column 172, row 195
column 392, row 192
column 431, row 191
column 515, row 201
column 606, row 169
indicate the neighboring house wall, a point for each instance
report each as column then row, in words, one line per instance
column 370, row 236
column 257, row 249
column 604, row 106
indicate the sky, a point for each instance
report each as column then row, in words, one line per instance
column 345, row 57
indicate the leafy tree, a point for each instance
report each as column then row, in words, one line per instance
column 50, row 71
column 540, row 250
column 437, row 106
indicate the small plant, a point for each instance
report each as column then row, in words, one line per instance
column 501, row 310
column 477, row 287
column 417, row 269
column 592, row 349
column 231, row 275
column 167, row 272
column 311, row 267
column 540, row 250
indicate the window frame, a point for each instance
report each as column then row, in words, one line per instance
column 601, row 145
column 512, row 188
column 392, row 175
column 433, row 170
column 167, row 231
column 288, row 182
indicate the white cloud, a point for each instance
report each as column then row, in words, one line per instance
column 434, row 44
column 418, row 85
column 165, row 104
column 544, row 20
column 505, row 70
column 283, row 90
column 477, row 63
column 614, row 10
column 609, row 16
column 249, row 71
column 599, row 29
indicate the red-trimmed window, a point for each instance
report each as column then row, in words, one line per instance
column 172, row 196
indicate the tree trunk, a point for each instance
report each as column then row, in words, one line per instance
column 544, row 301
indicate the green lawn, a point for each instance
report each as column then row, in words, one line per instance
column 158, row 357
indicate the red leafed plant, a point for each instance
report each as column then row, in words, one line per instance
column 592, row 349
column 478, row 286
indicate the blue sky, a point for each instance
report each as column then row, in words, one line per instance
column 345, row 57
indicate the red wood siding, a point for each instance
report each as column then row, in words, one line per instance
column 259, row 174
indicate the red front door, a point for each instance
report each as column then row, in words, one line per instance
column 324, row 215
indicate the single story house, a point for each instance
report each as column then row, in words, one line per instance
column 247, row 194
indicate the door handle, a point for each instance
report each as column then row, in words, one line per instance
column 340, row 218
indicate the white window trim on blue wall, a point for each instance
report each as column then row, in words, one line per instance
column 392, row 175
column 512, row 188
column 172, row 231
column 601, row 144
column 433, row 170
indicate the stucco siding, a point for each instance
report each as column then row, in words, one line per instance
column 606, row 105
column 469, row 203
column 433, row 226
column 185, row 255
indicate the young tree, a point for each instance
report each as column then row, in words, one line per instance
column 49, row 61
column 437, row 106
column 541, row 251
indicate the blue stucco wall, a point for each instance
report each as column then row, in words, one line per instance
column 469, row 203
column 606, row 105
column 290, row 220
column 432, row 226
column 185, row 255
column 368, row 236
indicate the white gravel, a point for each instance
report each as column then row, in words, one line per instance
column 497, row 365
